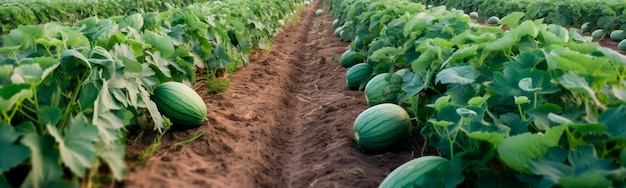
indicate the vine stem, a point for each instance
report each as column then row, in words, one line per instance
column 66, row 114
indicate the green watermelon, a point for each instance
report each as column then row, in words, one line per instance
column 180, row 103
column 358, row 74
column 383, row 88
column 350, row 58
column 425, row 171
column 380, row 127
column 493, row 20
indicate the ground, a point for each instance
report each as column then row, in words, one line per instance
column 285, row 121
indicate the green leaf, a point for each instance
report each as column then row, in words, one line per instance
column 526, row 84
column 614, row 120
column 576, row 83
column 77, row 144
column 125, row 54
column 16, row 38
column 412, row 84
column 108, row 123
column 50, row 115
column 34, row 70
column 73, row 56
column 385, row 53
column 11, row 94
column 113, row 155
column 440, row 103
column 134, row 21
column 491, row 137
column 219, row 58
column 590, row 179
column 462, row 53
column 9, row 49
column 558, row 119
column 457, row 75
column 163, row 43
column 512, row 19
column 46, row 169
column 517, row 151
column 161, row 64
column 503, row 43
column 11, row 154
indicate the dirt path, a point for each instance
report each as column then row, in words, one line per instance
column 285, row 121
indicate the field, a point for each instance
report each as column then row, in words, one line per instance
column 323, row 93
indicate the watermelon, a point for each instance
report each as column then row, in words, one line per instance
column 586, row 27
column 336, row 23
column 622, row 45
column 358, row 74
column 473, row 15
column 350, row 58
column 380, row 127
column 599, row 33
column 180, row 103
column 338, row 30
column 424, row 171
column 319, row 12
column 493, row 20
column 383, row 88
column 617, row 35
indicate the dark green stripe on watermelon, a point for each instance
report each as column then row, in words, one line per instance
column 380, row 127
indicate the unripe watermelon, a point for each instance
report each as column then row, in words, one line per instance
column 617, row 35
column 380, row 127
column 319, row 12
column 350, row 58
column 358, row 75
column 383, row 88
column 473, row 15
column 599, row 33
column 622, row 45
column 425, row 171
column 181, row 104
column 338, row 30
column 493, row 20
column 336, row 23
column 586, row 27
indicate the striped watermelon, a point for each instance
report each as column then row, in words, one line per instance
column 181, row 104
column 380, row 127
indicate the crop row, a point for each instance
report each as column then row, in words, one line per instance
column 69, row 93
column 515, row 104
column 608, row 15
column 15, row 13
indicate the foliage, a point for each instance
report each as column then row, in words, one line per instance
column 68, row 93
column 527, row 104
column 31, row 12
column 603, row 14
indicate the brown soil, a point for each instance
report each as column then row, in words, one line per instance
column 285, row 121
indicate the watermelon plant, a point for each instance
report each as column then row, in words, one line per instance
column 527, row 104
column 68, row 93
